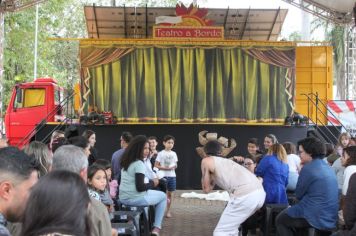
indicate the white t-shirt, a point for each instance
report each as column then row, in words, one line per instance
column 167, row 159
column 350, row 170
column 293, row 163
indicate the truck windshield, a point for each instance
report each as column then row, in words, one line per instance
column 30, row 97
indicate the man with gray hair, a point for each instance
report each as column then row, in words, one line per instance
column 72, row 158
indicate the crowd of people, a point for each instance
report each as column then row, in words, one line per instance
column 314, row 186
column 66, row 188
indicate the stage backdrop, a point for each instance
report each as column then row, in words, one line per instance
column 189, row 83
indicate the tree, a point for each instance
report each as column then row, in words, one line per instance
column 56, row 58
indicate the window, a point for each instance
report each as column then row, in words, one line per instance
column 30, row 97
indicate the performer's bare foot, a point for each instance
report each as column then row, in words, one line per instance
column 168, row 215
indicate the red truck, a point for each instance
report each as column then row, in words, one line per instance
column 32, row 103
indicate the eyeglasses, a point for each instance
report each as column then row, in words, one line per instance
column 248, row 164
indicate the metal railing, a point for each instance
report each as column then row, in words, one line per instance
column 320, row 107
column 43, row 122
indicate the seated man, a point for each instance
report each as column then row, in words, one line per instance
column 316, row 190
column 246, row 191
column 18, row 173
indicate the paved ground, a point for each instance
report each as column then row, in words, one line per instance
column 192, row 216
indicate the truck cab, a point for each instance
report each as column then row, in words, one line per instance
column 31, row 103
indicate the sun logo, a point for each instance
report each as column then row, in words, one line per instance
column 192, row 16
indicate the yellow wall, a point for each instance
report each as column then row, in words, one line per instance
column 313, row 75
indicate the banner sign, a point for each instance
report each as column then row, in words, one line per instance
column 188, row 32
column 345, row 113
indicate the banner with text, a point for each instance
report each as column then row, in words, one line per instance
column 188, row 32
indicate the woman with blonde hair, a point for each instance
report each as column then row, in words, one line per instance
column 42, row 154
column 273, row 168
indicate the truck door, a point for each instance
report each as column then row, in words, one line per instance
column 29, row 108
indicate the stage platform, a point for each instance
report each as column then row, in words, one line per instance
column 188, row 171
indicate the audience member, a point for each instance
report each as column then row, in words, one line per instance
column 55, row 135
column 268, row 141
column 58, row 205
column 349, row 210
column 42, row 154
column 293, row 164
column 133, row 190
column 91, row 137
column 246, row 191
column 166, row 162
column 18, row 174
column 316, row 191
column 348, row 160
column 71, row 131
column 58, row 143
column 72, row 158
column 273, row 168
column 343, row 141
column 331, row 155
column 106, row 165
column 81, row 142
column 116, row 156
column 98, row 187
column 250, row 163
column 153, row 142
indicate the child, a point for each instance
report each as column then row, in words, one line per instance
column 343, row 142
column 106, row 165
column 98, row 187
column 166, row 162
column 152, row 140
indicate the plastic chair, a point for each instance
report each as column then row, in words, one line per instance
column 271, row 212
column 125, row 228
column 144, row 222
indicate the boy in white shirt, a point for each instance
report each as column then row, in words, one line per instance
column 166, row 162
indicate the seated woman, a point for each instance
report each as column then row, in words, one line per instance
column 58, row 205
column 316, row 190
column 349, row 211
column 134, row 190
column 294, row 165
column 273, row 168
column 348, row 160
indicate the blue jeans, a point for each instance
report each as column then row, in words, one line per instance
column 152, row 197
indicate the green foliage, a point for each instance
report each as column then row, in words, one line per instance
column 336, row 35
column 56, row 58
column 295, row 36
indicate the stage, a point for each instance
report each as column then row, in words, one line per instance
column 188, row 171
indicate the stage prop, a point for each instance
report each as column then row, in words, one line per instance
column 197, row 78
column 205, row 136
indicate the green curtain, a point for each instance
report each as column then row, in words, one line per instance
column 190, row 84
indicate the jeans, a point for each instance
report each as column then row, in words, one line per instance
column 287, row 225
column 152, row 197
